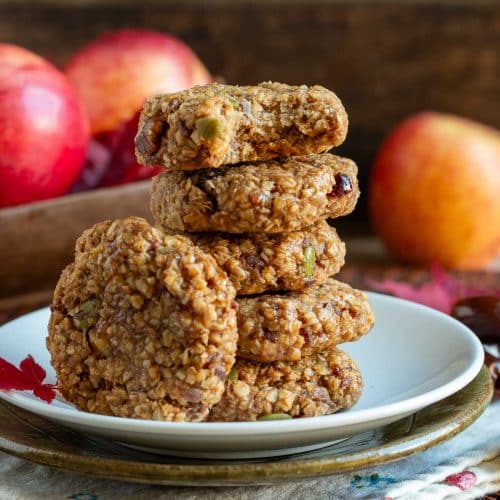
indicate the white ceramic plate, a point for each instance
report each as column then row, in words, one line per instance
column 415, row 356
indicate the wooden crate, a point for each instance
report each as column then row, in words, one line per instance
column 37, row 240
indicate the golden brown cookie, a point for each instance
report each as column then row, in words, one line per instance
column 289, row 326
column 143, row 325
column 318, row 385
column 213, row 125
column 260, row 262
column 271, row 197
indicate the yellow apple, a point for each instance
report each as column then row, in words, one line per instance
column 435, row 191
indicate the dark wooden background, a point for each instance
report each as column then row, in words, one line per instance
column 385, row 59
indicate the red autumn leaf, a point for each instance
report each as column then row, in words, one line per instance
column 11, row 377
column 28, row 377
column 441, row 292
column 32, row 369
column 45, row 392
column 463, row 480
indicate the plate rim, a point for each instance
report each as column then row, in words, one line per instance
column 262, row 472
column 260, row 428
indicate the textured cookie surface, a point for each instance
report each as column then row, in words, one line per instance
column 318, row 385
column 260, row 262
column 292, row 325
column 271, row 197
column 143, row 325
column 213, row 125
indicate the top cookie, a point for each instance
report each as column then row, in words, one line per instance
column 213, row 125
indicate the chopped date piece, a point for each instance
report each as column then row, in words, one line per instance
column 482, row 315
column 342, row 186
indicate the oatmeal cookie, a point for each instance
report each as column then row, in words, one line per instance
column 318, row 385
column 213, row 125
column 143, row 325
column 271, row 197
column 260, row 262
column 292, row 325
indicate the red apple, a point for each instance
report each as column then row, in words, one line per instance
column 94, row 168
column 435, row 191
column 118, row 71
column 112, row 161
column 44, row 131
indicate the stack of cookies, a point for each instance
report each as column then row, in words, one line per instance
column 226, row 309
column 250, row 183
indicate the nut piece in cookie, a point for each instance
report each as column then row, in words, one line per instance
column 270, row 197
column 319, row 385
column 143, row 325
column 260, row 262
column 213, row 125
column 292, row 325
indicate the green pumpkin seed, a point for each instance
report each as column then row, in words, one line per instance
column 90, row 306
column 233, row 374
column 234, row 103
column 309, row 261
column 81, row 324
column 275, row 416
column 208, row 128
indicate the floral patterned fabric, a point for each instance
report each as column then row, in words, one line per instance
column 466, row 467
